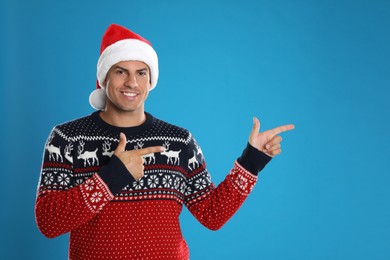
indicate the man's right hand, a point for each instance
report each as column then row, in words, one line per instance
column 133, row 160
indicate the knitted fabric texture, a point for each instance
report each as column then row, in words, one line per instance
column 86, row 190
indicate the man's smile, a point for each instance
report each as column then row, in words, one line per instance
column 129, row 94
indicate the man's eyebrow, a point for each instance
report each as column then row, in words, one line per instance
column 119, row 67
column 146, row 68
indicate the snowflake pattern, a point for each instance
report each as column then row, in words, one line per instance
column 167, row 181
column 200, row 184
column 183, row 187
column 138, row 184
column 89, row 185
column 49, row 178
column 96, row 197
column 176, row 183
column 63, row 179
column 242, row 182
column 153, row 181
column 188, row 191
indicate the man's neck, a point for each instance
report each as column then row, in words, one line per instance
column 123, row 119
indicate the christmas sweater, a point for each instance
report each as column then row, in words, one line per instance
column 86, row 190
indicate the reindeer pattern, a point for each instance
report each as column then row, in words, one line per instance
column 197, row 159
column 172, row 156
column 86, row 150
column 54, row 152
column 91, row 157
column 106, row 149
column 149, row 156
column 87, row 155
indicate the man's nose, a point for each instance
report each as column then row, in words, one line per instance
column 131, row 81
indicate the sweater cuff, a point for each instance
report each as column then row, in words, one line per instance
column 115, row 175
column 253, row 160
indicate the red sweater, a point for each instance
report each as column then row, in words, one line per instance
column 109, row 214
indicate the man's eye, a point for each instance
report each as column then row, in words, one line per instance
column 119, row 72
column 142, row 73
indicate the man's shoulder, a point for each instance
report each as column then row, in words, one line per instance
column 76, row 121
column 170, row 129
column 75, row 126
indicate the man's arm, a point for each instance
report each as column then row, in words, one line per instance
column 214, row 206
column 62, row 204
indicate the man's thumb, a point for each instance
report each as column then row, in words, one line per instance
column 122, row 143
column 256, row 127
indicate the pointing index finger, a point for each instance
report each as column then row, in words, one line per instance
column 148, row 150
column 283, row 128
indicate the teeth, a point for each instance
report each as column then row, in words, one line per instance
column 127, row 94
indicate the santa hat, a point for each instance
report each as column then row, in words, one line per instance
column 121, row 44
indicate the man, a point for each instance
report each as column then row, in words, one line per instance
column 117, row 179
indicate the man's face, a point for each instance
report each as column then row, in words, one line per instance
column 127, row 86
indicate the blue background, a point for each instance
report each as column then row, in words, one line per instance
column 322, row 65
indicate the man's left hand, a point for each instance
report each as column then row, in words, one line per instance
column 268, row 141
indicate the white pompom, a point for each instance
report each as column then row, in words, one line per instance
column 97, row 99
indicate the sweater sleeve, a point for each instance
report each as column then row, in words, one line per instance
column 64, row 203
column 213, row 206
